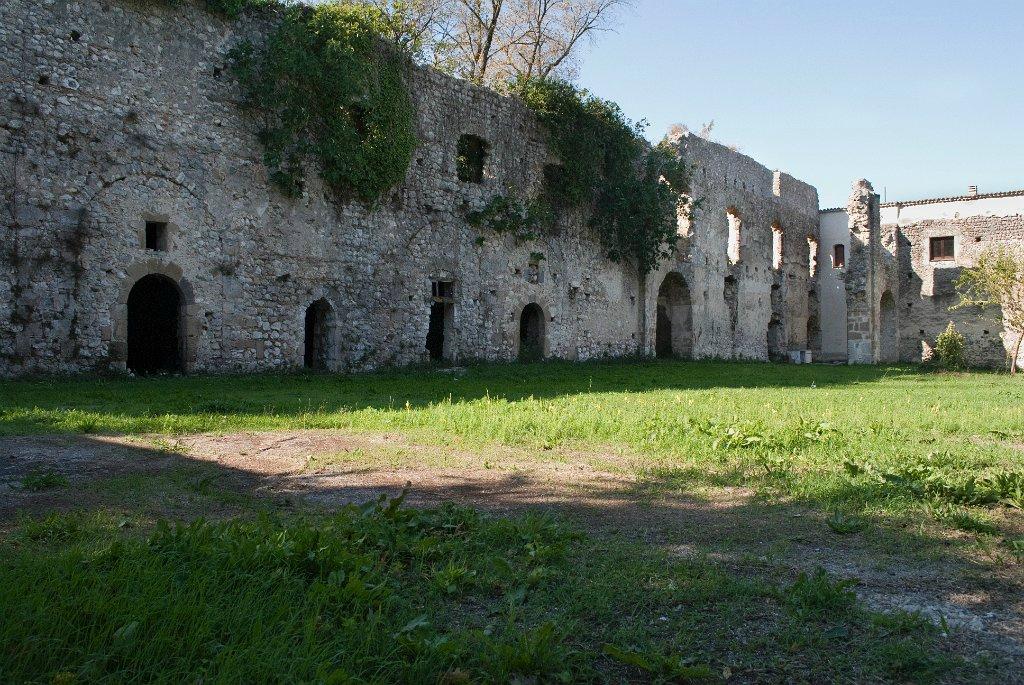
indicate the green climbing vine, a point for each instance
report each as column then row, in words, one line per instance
column 507, row 214
column 635, row 191
column 326, row 86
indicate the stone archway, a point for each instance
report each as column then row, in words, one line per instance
column 318, row 348
column 888, row 331
column 673, row 332
column 154, row 322
column 532, row 332
column 145, row 302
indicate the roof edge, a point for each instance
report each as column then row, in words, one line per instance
column 956, row 198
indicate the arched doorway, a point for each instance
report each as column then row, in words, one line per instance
column 888, row 335
column 531, row 333
column 319, row 317
column 673, row 332
column 154, row 326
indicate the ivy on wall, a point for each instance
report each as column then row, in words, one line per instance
column 634, row 191
column 326, row 86
column 507, row 214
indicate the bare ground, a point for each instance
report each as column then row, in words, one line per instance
column 982, row 599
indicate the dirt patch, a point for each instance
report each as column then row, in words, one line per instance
column 600, row 490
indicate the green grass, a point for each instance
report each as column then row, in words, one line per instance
column 382, row 593
column 871, row 440
column 281, row 591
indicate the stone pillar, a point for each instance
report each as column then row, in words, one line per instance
column 861, row 282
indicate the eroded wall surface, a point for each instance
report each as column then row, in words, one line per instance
column 732, row 319
column 114, row 114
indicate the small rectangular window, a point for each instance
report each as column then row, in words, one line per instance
column 941, row 249
column 838, row 256
column 471, row 153
column 156, row 235
column 442, row 291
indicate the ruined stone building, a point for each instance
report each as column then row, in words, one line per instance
column 888, row 275
column 140, row 231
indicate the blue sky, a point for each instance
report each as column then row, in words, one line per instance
column 921, row 98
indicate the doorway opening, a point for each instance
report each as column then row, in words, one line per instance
column 531, row 333
column 154, row 326
column 317, row 336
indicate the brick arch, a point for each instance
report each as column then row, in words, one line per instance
column 191, row 326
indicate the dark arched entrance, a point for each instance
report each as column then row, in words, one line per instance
column 317, row 336
column 673, row 331
column 154, row 325
column 531, row 333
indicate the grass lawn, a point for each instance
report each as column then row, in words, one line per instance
column 236, row 588
column 848, row 438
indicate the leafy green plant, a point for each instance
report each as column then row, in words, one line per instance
column 664, row 668
column 950, row 347
column 929, row 481
column 507, row 214
column 634, row 192
column 816, row 596
column 960, row 517
column 327, row 86
column 38, row 480
column 61, row 527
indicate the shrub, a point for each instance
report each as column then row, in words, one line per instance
column 328, row 86
column 950, row 347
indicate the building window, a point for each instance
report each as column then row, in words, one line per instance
column 470, row 158
column 777, row 241
column 812, row 255
column 838, row 256
column 941, row 249
column 735, row 236
column 156, row 235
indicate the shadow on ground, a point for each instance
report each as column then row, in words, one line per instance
column 220, row 476
column 297, row 394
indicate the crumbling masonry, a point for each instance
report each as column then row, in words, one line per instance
column 139, row 230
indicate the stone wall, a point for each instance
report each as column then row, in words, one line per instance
column 928, row 291
column 116, row 116
column 890, row 254
column 835, row 230
column 732, row 319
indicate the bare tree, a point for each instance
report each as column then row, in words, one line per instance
column 552, row 30
column 421, row 27
column 494, row 42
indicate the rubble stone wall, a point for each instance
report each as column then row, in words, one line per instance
column 891, row 253
column 116, row 113
column 733, row 321
column 928, row 291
